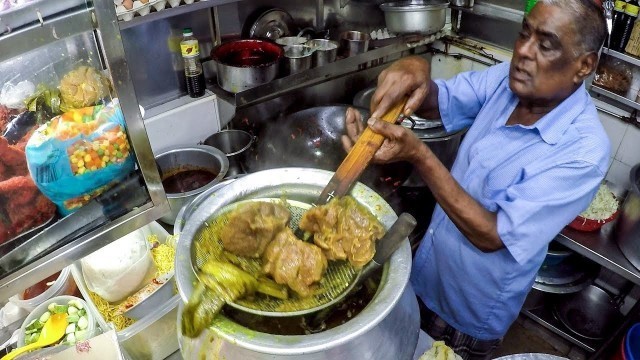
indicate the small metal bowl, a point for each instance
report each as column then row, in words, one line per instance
column 193, row 156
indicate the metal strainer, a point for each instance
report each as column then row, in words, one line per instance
column 208, row 246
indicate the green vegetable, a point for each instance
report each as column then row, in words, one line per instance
column 45, row 102
column 83, row 323
column 44, row 317
column 60, row 309
column 71, row 338
column 72, row 310
column 35, row 325
column 73, row 318
column 82, row 335
column 52, row 306
column 82, row 312
column 71, row 328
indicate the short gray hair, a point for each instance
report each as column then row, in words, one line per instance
column 588, row 21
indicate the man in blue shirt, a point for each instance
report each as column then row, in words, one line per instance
column 532, row 159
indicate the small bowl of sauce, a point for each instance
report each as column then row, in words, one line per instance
column 187, row 171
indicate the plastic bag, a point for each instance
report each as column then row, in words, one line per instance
column 13, row 96
column 613, row 75
column 79, row 154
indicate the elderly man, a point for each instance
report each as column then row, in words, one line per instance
column 532, row 159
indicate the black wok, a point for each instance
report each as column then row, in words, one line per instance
column 311, row 138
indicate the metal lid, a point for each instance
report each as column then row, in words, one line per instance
column 414, row 5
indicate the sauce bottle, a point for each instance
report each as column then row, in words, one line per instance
column 194, row 75
column 616, row 28
column 629, row 18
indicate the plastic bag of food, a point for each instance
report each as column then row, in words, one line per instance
column 79, row 154
column 613, row 75
column 14, row 96
column 83, row 87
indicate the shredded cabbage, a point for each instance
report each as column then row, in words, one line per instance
column 603, row 205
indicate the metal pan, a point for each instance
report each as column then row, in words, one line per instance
column 591, row 313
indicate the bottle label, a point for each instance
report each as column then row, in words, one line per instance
column 620, row 5
column 631, row 10
column 190, row 48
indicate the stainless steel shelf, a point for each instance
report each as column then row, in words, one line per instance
column 600, row 248
column 544, row 316
column 621, row 99
column 624, row 57
column 492, row 11
column 51, row 29
column 169, row 12
column 281, row 86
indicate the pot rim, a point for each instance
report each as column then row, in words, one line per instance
column 395, row 279
column 270, row 45
column 244, row 148
column 219, row 155
column 412, row 6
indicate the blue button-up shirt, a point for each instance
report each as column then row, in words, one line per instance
column 536, row 178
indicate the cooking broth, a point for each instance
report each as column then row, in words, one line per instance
column 304, row 325
column 185, row 180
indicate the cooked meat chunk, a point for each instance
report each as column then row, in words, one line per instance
column 252, row 226
column 344, row 230
column 293, row 262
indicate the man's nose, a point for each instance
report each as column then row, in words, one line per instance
column 526, row 48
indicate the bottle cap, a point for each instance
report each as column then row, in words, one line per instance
column 187, row 32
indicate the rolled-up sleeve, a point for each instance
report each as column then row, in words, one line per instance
column 536, row 209
column 461, row 97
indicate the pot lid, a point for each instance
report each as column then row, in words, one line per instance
column 272, row 24
column 414, row 5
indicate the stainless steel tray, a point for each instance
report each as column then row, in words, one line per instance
column 16, row 241
column 17, row 17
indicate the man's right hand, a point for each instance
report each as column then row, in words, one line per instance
column 408, row 76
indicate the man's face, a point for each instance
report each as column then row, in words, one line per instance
column 544, row 65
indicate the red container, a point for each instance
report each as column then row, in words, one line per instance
column 583, row 224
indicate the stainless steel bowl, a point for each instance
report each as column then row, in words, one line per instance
column 235, row 144
column 326, row 51
column 291, row 40
column 386, row 329
column 297, row 58
column 353, row 43
column 423, row 17
column 195, row 156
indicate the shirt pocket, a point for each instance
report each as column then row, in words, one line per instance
column 497, row 180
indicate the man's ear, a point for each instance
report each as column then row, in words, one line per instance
column 588, row 63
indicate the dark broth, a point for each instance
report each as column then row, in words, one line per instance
column 185, row 180
column 303, row 325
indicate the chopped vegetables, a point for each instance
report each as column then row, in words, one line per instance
column 77, row 317
column 110, row 148
column 603, row 205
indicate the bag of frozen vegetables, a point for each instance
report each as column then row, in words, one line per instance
column 79, row 154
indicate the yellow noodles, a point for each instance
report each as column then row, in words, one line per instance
column 108, row 312
column 163, row 255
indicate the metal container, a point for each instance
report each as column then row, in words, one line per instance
column 291, row 40
column 386, row 329
column 243, row 64
column 353, row 43
column 325, row 52
column 235, row 144
column 462, row 3
column 297, row 58
column 627, row 229
column 423, row 17
column 195, row 156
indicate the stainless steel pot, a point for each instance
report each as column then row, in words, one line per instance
column 297, row 58
column 424, row 17
column 243, row 64
column 196, row 156
column 325, row 52
column 235, row 144
column 353, row 43
column 627, row 228
column 386, row 329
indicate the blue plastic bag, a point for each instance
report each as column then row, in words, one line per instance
column 79, row 154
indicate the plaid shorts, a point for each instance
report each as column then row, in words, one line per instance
column 468, row 347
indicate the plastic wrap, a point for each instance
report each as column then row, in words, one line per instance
column 614, row 75
column 77, row 155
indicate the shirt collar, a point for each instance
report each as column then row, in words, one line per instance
column 554, row 124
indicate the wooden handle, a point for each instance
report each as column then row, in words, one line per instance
column 358, row 158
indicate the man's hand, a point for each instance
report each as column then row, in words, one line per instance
column 408, row 76
column 400, row 143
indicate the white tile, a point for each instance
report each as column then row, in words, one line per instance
column 619, row 174
column 629, row 150
column 615, row 130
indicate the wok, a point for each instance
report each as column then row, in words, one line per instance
column 311, row 138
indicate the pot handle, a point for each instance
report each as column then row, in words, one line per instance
column 618, row 300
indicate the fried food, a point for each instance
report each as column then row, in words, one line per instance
column 344, row 230
column 11, row 155
column 252, row 226
column 293, row 262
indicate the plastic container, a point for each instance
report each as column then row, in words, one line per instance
column 64, row 285
column 632, row 343
column 61, row 300
column 150, row 338
column 587, row 225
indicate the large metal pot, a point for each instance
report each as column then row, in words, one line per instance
column 243, row 64
column 196, row 156
column 627, row 230
column 425, row 17
column 386, row 329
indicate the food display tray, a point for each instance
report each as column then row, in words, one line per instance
column 16, row 241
